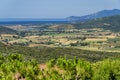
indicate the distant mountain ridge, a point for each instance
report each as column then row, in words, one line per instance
column 100, row 14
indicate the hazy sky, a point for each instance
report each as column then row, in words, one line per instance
column 53, row 8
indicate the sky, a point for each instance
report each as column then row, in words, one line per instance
column 53, row 8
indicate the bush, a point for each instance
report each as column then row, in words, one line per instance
column 15, row 66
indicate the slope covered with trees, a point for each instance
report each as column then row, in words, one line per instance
column 109, row 23
column 43, row 54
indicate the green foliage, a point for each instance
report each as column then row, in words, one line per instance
column 107, row 70
column 75, row 69
column 51, row 63
column 15, row 67
column 14, row 64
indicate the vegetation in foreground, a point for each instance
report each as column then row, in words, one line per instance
column 15, row 67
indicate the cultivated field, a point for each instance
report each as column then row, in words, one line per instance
column 96, row 39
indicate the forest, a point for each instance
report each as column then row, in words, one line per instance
column 43, row 54
column 109, row 23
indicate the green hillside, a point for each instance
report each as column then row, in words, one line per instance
column 108, row 23
column 43, row 54
column 5, row 30
column 61, row 27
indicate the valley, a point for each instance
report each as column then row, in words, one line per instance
column 62, row 35
column 59, row 39
column 74, row 48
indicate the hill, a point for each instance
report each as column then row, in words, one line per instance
column 43, row 54
column 100, row 14
column 61, row 27
column 109, row 23
column 5, row 30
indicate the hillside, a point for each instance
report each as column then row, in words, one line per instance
column 109, row 23
column 100, row 14
column 43, row 54
column 5, row 30
column 61, row 27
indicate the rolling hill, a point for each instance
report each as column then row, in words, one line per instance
column 109, row 23
column 43, row 54
column 5, row 30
